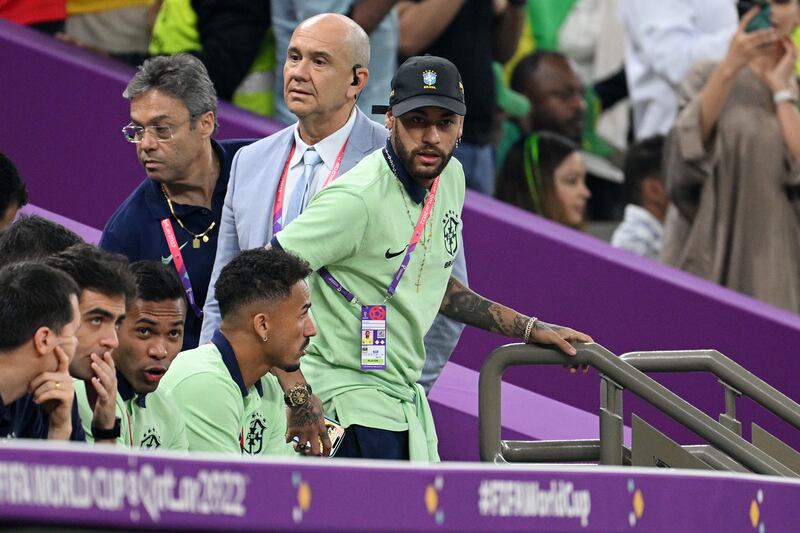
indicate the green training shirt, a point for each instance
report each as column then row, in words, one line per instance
column 221, row 414
column 359, row 228
column 147, row 421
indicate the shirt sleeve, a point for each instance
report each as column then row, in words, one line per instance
column 212, row 410
column 330, row 229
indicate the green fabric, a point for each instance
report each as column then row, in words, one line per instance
column 592, row 142
column 175, row 29
column 349, row 227
column 546, row 18
column 156, row 426
column 217, row 415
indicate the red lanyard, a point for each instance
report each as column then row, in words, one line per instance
column 277, row 209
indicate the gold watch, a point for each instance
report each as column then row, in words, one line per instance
column 297, row 395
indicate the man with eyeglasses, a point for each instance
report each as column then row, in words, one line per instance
column 174, row 215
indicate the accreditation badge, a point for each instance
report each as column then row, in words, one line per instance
column 373, row 337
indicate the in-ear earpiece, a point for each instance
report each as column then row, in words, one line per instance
column 355, row 74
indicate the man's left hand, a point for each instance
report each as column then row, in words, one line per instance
column 102, row 393
column 307, row 423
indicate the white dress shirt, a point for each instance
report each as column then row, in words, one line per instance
column 639, row 232
column 328, row 149
column 663, row 39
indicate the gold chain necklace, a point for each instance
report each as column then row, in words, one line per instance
column 196, row 236
column 424, row 240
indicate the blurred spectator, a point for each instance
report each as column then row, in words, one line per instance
column 592, row 36
column 43, row 15
column 32, row 238
column 511, row 116
column 232, row 40
column 546, row 176
column 13, row 193
column 174, row 215
column 38, row 320
column 472, row 34
column 663, row 40
column 558, row 105
column 117, row 27
column 733, row 166
column 642, row 228
column 376, row 17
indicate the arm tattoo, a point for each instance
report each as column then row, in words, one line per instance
column 464, row 305
column 304, row 415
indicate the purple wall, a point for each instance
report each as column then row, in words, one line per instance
column 100, row 488
column 60, row 116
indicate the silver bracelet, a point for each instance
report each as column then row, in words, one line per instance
column 529, row 328
column 784, row 95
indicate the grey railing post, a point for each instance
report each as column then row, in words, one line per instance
column 489, row 401
column 728, row 418
column 611, row 424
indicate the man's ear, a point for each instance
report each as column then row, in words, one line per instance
column 261, row 326
column 388, row 120
column 359, row 81
column 44, row 340
column 206, row 123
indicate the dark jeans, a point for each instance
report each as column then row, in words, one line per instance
column 370, row 443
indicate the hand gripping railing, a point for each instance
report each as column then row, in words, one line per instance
column 624, row 376
column 735, row 380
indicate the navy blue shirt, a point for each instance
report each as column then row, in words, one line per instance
column 134, row 230
column 23, row 419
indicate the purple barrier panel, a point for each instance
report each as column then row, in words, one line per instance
column 43, row 483
column 626, row 303
column 61, row 113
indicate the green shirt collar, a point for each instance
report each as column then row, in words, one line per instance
column 229, row 358
column 126, row 391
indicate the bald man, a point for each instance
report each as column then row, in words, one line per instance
column 272, row 180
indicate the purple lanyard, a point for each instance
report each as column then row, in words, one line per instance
column 418, row 229
column 180, row 266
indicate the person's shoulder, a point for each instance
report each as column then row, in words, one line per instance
column 267, row 144
column 133, row 207
column 203, row 360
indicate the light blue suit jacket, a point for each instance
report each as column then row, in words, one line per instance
column 247, row 216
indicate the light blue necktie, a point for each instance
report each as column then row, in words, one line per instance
column 311, row 161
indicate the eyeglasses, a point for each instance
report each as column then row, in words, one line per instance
column 135, row 134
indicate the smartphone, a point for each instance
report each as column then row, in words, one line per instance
column 763, row 19
column 335, row 433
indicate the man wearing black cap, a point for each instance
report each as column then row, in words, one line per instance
column 382, row 240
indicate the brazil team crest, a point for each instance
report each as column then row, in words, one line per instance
column 151, row 439
column 429, row 79
column 450, row 224
column 253, row 442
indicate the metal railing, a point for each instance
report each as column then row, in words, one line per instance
column 734, row 378
column 621, row 375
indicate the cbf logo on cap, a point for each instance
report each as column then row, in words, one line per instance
column 441, row 87
column 429, row 79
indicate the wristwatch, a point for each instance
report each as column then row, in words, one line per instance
column 107, row 434
column 297, row 395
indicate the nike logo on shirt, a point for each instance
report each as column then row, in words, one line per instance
column 391, row 255
column 168, row 259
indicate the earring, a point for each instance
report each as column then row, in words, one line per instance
column 458, row 141
column 265, row 338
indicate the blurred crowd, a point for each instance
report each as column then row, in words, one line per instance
column 670, row 128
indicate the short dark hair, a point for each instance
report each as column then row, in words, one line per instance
column 644, row 160
column 33, row 295
column 256, row 275
column 529, row 65
column 12, row 188
column 156, row 282
column 95, row 270
column 32, row 238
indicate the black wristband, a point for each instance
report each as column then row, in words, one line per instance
column 107, row 434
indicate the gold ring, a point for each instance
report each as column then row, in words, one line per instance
column 58, row 385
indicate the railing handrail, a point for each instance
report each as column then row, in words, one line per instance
column 628, row 377
column 724, row 368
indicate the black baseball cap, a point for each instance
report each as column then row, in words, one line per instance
column 425, row 81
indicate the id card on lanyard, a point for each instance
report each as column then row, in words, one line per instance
column 277, row 207
column 373, row 317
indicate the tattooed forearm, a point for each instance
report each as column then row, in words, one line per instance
column 464, row 305
column 305, row 415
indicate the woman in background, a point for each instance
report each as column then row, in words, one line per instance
column 546, row 175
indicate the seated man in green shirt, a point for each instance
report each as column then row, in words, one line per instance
column 150, row 337
column 230, row 401
column 382, row 240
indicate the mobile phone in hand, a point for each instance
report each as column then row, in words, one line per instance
column 763, row 19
